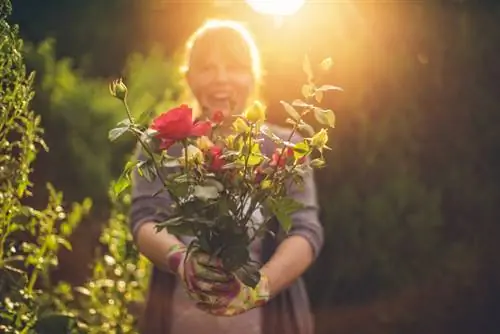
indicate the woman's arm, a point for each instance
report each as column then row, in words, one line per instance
column 147, row 210
column 291, row 259
column 155, row 245
column 303, row 243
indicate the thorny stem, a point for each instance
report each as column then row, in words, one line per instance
column 143, row 144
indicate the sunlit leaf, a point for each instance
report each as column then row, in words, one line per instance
column 301, row 149
column 318, row 163
column 123, row 181
column 214, row 183
column 326, row 64
column 254, row 159
column 307, row 91
column 205, row 193
column 303, row 126
column 268, row 132
column 300, row 103
column 318, row 95
column 290, row 110
column 84, row 291
column 325, row 117
column 325, row 88
column 65, row 243
column 283, row 208
column 124, row 123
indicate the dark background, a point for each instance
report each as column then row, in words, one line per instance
column 410, row 196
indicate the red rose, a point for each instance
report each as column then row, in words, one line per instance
column 218, row 117
column 177, row 124
column 277, row 159
column 215, row 159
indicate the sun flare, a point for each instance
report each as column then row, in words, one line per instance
column 276, row 7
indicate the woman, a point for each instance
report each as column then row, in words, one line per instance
column 223, row 73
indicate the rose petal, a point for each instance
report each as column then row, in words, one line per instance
column 200, row 129
column 166, row 143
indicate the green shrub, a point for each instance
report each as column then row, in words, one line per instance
column 77, row 113
column 29, row 238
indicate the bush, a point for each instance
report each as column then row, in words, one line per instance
column 29, row 238
column 77, row 113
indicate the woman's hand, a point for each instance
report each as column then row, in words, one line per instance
column 238, row 298
column 203, row 277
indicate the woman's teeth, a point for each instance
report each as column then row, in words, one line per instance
column 221, row 96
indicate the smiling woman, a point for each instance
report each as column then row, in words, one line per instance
column 276, row 7
column 223, row 67
column 223, row 72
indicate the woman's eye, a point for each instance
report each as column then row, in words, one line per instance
column 207, row 68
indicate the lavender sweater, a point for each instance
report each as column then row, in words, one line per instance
column 289, row 311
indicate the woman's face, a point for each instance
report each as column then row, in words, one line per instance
column 217, row 83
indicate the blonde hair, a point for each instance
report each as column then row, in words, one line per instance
column 235, row 40
column 226, row 33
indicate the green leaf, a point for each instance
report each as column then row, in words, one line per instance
column 124, row 123
column 116, row 132
column 307, row 91
column 290, row 110
column 253, row 159
column 268, row 132
column 301, row 104
column 214, row 183
column 177, row 226
column 205, row 193
column 56, row 323
column 65, row 243
column 147, row 170
column 301, row 149
column 303, row 126
column 83, row 290
column 179, row 189
column 282, row 208
column 317, row 163
column 234, row 256
column 123, row 181
column 325, row 117
column 318, row 95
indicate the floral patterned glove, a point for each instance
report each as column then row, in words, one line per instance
column 238, row 298
column 203, row 277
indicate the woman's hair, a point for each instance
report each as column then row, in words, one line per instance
column 232, row 38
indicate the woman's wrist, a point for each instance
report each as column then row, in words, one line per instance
column 175, row 258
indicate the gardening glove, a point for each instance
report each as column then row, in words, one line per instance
column 203, row 277
column 238, row 298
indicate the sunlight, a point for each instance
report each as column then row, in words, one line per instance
column 276, row 7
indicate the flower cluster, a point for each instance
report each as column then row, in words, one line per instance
column 219, row 179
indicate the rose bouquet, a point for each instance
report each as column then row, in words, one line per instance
column 219, row 181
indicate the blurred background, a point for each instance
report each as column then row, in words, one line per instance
column 410, row 195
